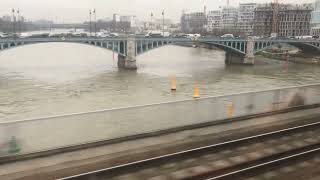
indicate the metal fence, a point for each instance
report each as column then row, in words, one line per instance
column 28, row 136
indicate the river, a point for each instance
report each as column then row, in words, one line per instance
column 60, row 78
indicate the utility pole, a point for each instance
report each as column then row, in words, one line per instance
column 90, row 22
column 163, row 23
column 95, row 22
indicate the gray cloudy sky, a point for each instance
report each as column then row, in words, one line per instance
column 77, row 10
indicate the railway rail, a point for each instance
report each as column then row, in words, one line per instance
column 290, row 144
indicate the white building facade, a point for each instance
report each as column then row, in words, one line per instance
column 229, row 18
column 245, row 21
column 214, row 20
column 315, row 16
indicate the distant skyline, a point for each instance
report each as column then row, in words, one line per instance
column 75, row 11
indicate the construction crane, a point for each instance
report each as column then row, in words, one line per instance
column 275, row 7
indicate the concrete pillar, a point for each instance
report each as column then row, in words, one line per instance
column 233, row 58
column 141, row 47
column 9, row 45
column 1, row 46
column 128, row 61
column 249, row 57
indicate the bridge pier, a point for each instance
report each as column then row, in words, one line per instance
column 249, row 58
column 128, row 61
column 233, row 58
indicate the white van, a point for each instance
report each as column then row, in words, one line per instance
column 227, row 36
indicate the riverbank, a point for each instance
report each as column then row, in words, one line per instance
column 298, row 57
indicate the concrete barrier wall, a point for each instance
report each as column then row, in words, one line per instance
column 28, row 136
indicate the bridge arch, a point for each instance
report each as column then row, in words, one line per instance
column 309, row 47
column 230, row 47
column 116, row 46
column 144, row 46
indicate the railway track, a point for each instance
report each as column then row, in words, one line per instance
column 234, row 159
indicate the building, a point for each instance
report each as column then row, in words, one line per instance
column 193, row 22
column 263, row 16
column 214, row 20
column 246, row 18
column 315, row 31
column 7, row 18
column 129, row 19
column 229, row 18
column 315, row 16
column 292, row 20
column 116, row 18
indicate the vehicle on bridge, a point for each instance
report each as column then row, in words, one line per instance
column 154, row 34
column 4, row 35
column 114, row 35
column 228, row 36
column 304, row 37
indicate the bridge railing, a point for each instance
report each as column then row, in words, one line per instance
column 37, row 135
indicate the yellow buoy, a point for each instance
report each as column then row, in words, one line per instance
column 230, row 110
column 173, row 84
column 196, row 93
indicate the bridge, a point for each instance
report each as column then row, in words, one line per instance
column 241, row 51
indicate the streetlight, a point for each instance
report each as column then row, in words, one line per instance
column 151, row 21
column 19, row 23
column 14, row 22
column 90, row 21
column 163, row 23
column 95, row 23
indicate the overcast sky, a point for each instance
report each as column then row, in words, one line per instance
column 78, row 10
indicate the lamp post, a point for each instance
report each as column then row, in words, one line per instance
column 13, row 23
column 163, row 23
column 19, row 21
column 90, row 13
column 151, row 21
column 95, row 23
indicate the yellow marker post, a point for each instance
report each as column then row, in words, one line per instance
column 230, row 110
column 196, row 93
column 173, row 84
